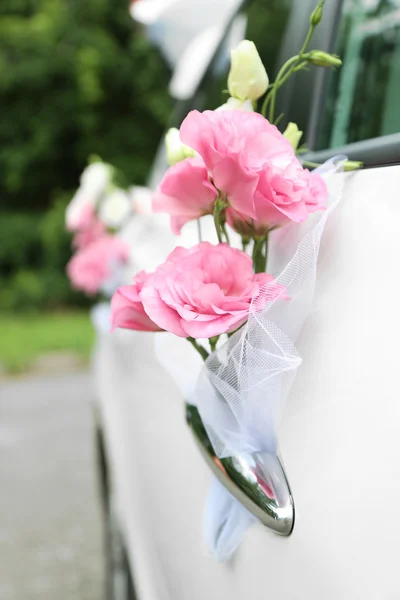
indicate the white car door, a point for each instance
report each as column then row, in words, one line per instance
column 339, row 437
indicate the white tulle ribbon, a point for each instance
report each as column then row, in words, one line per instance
column 225, row 522
column 242, row 390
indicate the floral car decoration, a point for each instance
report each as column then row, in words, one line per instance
column 95, row 215
column 234, row 164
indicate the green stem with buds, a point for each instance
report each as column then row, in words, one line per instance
column 295, row 63
column 271, row 96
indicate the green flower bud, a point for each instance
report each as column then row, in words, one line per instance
column 322, row 59
column 353, row 165
column 293, row 134
column 176, row 150
column 316, row 15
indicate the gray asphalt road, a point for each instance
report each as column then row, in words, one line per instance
column 50, row 519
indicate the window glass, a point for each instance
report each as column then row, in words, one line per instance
column 363, row 97
column 260, row 21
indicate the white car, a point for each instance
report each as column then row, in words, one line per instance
column 340, row 435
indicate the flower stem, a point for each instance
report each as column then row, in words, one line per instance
column 223, row 227
column 292, row 65
column 278, row 84
column 260, row 254
column 258, row 262
column 202, row 351
column 266, row 252
column 213, row 342
column 255, row 251
column 217, row 222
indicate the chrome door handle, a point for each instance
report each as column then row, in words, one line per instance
column 256, row 480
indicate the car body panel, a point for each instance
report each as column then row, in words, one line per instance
column 339, row 437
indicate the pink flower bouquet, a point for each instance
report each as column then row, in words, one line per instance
column 247, row 175
column 95, row 214
column 93, row 265
column 234, row 164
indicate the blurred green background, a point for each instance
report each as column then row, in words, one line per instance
column 76, row 78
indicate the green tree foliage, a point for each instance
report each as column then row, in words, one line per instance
column 34, row 249
column 76, row 78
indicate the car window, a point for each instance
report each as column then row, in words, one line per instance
column 259, row 21
column 173, row 24
column 363, row 97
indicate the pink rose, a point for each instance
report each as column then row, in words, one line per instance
column 90, row 228
column 203, row 291
column 185, row 193
column 127, row 309
column 253, row 164
column 91, row 266
column 317, row 193
column 269, row 215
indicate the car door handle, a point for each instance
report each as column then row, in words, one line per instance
column 258, row 481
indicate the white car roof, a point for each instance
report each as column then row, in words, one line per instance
column 173, row 24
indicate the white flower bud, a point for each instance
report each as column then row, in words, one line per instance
column 77, row 207
column 176, row 150
column 247, row 78
column 95, row 180
column 96, row 177
column 115, row 208
column 293, row 134
column 235, row 104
